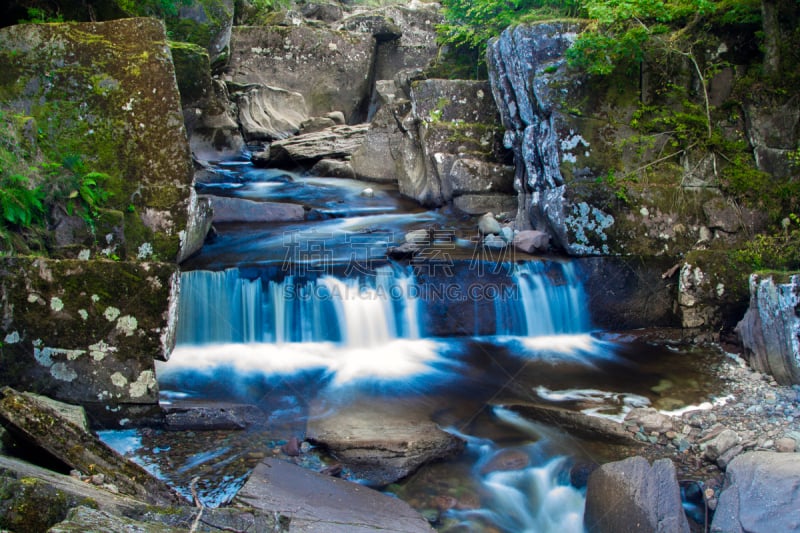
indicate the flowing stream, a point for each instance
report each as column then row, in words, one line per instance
column 303, row 319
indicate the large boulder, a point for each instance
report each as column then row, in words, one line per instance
column 632, row 495
column 760, row 493
column 443, row 144
column 770, row 329
column 316, row 502
column 106, row 92
column 288, row 56
column 87, row 331
column 268, row 113
column 380, row 442
column 337, row 142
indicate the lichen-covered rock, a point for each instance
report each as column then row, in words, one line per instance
column 712, row 292
column 315, row 62
column 86, row 331
column 770, row 329
column 107, row 93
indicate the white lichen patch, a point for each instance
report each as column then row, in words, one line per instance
column 127, row 325
column 95, row 298
column 56, row 304
column 44, row 355
column 118, row 379
column 111, row 313
column 84, row 254
column 83, row 314
column 720, row 289
column 33, row 298
column 569, row 144
column 12, row 338
column 146, row 382
column 588, row 223
column 100, row 350
column 62, row 372
column 145, row 251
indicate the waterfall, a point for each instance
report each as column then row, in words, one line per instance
column 548, row 300
column 224, row 307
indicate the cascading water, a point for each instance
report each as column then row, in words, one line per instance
column 224, row 307
column 543, row 306
column 258, row 325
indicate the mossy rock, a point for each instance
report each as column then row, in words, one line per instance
column 107, row 93
column 86, row 331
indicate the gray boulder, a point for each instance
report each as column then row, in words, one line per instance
column 632, row 495
column 770, row 328
column 315, row 62
column 321, row 503
column 333, row 168
column 338, row 142
column 761, row 493
column 268, row 113
column 380, row 442
column 233, row 210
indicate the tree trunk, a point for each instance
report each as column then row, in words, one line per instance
column 771, row 27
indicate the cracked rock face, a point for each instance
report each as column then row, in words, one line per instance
column 770, row 330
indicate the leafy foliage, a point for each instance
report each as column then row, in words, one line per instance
column 32, row 188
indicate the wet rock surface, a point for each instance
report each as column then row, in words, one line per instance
column 382, row 443
column 316, row 502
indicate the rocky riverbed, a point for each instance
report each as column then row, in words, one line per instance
column 753, row 413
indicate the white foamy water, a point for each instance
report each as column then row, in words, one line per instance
column 611, row 405
column 394, row 360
